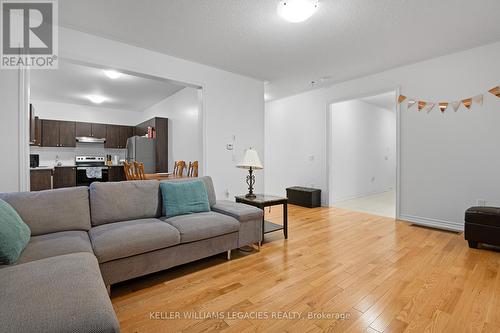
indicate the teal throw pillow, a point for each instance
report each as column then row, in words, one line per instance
column 14, row 234
column 185, row 197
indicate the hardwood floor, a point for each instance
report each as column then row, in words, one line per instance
column 381, row 275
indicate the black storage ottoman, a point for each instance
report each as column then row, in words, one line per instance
column 304, row 196
column 482, row 225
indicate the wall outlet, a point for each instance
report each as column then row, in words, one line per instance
column 481, row 202
column 227, row 193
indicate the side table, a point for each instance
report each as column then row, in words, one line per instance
column 262, row 201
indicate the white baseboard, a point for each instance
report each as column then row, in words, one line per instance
column 433, row 223
column 361, row 195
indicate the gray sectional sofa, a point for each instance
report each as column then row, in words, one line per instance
column 86, row 239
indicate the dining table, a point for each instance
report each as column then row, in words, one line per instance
column 163, row 176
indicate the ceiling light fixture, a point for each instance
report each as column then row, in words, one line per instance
column 297, row 10
column 112, row 74
column 97, row 99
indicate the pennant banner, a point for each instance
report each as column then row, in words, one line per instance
column 495, row 91
column 467, row 102
column 443, row 106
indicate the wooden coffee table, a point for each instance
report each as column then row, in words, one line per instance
column 262, row 201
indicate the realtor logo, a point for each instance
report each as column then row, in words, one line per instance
column 29, row 36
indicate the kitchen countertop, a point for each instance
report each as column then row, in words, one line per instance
column 66, row 166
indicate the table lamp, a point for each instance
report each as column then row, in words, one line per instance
column 251, row 162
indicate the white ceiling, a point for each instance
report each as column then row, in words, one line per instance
column 385, row 101
column 344, row 39
column 71, row 83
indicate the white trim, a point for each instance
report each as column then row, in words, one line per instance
column 23, row 113
column 329, row 138
column 433, row 223
column 361, row 195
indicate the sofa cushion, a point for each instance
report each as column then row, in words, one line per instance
column 59, row 294
column 14, row 234
column 52, row 210
column 123, row 201
column 239, row 211
column 209, row 186
column 55, row 244
column 194, row 227
column 184, row 198
column 124, row 239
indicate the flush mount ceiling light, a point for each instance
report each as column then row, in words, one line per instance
column 97, row 99
column 112, row 74
column 297, row 10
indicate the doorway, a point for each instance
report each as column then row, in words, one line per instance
column 363, row 154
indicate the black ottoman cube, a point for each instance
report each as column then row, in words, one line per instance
column 482, row 225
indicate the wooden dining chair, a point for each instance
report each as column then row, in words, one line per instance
column 179, row 167
column 129, row 170
column 139, row 171
column 193, row 169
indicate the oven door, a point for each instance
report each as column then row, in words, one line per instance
column 83, row 180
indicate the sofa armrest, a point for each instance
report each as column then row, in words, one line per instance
column 239, row 211
column 250, row 219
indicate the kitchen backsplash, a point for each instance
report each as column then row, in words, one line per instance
column 67, row 155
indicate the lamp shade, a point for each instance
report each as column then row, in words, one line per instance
column 250, row 160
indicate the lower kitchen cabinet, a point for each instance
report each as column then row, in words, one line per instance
column 64, row 177
column 116, row 173
column 40, row 180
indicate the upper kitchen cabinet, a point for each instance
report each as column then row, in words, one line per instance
column 91, row 130
column 56, row 133
column 125, row 133
column 116, row 136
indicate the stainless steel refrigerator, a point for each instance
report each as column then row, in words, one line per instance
column 142, row 150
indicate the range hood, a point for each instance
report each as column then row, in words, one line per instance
column 89, row 139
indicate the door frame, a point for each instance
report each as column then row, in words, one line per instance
column 24, row 101
column 329, row 141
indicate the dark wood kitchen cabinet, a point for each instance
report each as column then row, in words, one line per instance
column 117, row 135
column 67, row 134
column 37, row 140
column 56, row 133
column 99, row 131
column 32, row 124
column 116, row 173
column 91, row 130
column 112, row 136
column 64, row 177
column 125, row 133
column 40, row 180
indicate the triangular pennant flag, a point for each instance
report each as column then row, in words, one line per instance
column 455, row 106
column 443, row 106
column 478, row 99
column 495, row 91
column 401, row 98
column 411, row 102
column 430, row 106
column 467, row 102
column 421, row 105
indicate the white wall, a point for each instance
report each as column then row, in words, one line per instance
column 184, row 125
column 363, row 149
column 233, row 104
column 84, row 113
column 9, row 130
column 448, row 161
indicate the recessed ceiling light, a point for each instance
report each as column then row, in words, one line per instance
column 112, row 74
column 97, row 99
column 297, row 10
